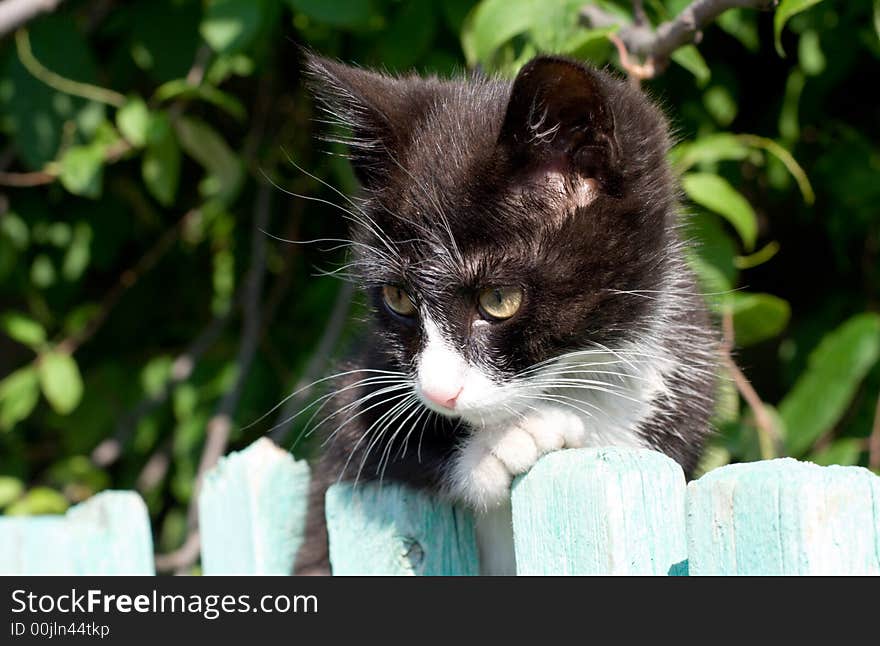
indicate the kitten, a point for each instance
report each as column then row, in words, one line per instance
column 519, row 243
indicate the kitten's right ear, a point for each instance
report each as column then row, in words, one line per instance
column 559, row 121
column 376, row 108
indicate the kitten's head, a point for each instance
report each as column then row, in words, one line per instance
column 502, row 223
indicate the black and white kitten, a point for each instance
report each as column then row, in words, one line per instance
column 520, row 246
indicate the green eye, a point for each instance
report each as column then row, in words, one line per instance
column 500, row 302
column 398, row 300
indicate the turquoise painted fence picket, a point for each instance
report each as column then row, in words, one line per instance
column 586, row 511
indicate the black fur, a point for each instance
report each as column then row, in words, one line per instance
column 466, row 160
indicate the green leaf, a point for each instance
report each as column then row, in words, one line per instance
column 762, row 255
column 160, row 166
column 23, row 329
column 787, row 9
column 340, row 13
column 183, row 89
column 787, row 160
column 82, row 170
column 184, row 401
column 230, row 25
column 133, row 121
column 39, row 501
column 877, row 17
column 742, row 25
column 493, row 22
column 810, row 54
column 789, row 120
column 689, row 57
column 43, row 273
column 712, row 255
column 708, row 149
column 845, row 452
column 10, row 489
column 757, row 317
column 15, row 230
column 206, row 146
column 589, row 44
column 78, row 472
column 78, row 254
column 155, row 375
column 19, row 393
column 720, row 104
column 713, row 457
column 716, row 194
column 60, row 380
column 834, row 371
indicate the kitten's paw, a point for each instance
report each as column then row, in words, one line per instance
column 478, row 477
column 553, row 429
column 517, row 449
column 488, row 462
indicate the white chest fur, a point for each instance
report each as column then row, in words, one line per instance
column 604, row 410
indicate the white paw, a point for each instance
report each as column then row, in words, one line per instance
column 517, row 450
column 478, row 477
column 556, row 428
column 546, row 432
column 490, row 459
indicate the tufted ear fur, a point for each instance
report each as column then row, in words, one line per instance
column 379, row 110
column 558, row 126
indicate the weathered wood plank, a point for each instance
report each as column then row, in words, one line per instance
column 107, row 534
column 395, row 530
column 784, row 517
column 601, row 511
column 252, row 511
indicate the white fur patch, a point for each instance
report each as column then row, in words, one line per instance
column 592, row 398
column 442, row 368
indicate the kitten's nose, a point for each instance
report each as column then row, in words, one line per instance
column 443, row 397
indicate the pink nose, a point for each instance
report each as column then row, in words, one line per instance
column 444, row 398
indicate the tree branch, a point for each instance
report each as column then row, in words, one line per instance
column 15, row 13
column 656, row 45
column 58, row 82
column 771, row 443
column 220, row 425
column 110, row 449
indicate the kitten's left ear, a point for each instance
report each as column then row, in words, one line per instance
column 559, row 121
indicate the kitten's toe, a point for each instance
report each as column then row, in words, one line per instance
column 572, row 427
column 517, row 450
column 546, row 432
column 479, row 478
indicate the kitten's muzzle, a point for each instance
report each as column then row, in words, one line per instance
column 444, row 398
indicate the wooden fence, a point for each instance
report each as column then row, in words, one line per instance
column 587, row 511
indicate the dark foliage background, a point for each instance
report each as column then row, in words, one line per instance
column 149, row 152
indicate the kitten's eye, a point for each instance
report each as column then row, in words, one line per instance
column 500, row 302
column 398, row 300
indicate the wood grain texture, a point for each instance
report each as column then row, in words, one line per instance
column 395, row 530
column 784, row 517
column 252, row 511
column 601, row 511
column 108, row 534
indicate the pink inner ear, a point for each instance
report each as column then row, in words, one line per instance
column 574, row 193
